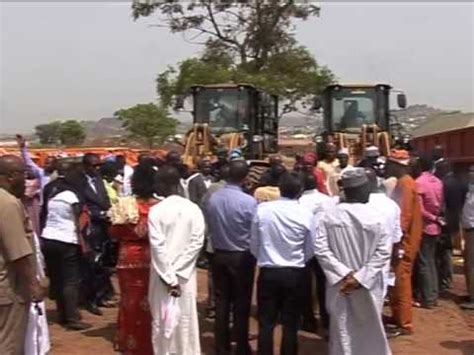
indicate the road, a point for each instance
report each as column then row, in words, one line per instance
column 444, row 330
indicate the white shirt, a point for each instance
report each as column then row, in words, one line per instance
column 61, row 222
column 176, row 230
column 314, row 200
column 90, row 181
column 127, row 180
column 468, row 210
column 391, row 212
column 282, row 234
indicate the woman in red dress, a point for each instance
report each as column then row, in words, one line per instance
column 129, row 226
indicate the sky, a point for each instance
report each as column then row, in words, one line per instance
column 87, row 60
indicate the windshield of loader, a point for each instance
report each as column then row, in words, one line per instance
column 225, row 109
column 351, row 108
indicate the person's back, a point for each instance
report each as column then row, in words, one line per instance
column 356, row 225
column 286, row 223
column 282, row 242
column 455, row 194
column 353, row 247
column 390, row 211
column 176, row 232
column 430, row 190
column 314, row 200
column 176, row 217
column 405, row 194
column 230, row 212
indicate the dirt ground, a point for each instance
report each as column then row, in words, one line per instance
column 444, row 330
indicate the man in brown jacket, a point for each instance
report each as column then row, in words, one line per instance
column 404, row 254
column 18, row 283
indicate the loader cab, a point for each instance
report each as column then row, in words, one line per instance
column 348, row 107
column 238, row 108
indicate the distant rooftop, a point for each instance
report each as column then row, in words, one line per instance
column 444, row 123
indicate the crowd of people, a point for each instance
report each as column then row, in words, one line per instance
column 352, row 238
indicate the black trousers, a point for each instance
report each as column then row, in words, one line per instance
column 233, row 275
column 97, row 285
column 313, row 267
column 444, row 260
column 279, row 296
column 63, row 268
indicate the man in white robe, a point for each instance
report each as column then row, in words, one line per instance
column 176, row 230
column 389, row 209
column 352, row 247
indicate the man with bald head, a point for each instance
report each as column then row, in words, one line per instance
column 18, row 283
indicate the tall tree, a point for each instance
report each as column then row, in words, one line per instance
column 293, row 75
column 251, row 30
column 244, row 41
column 71, row 132
column 48, row 133
column 147, row 121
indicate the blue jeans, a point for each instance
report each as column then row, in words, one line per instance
column 427, row 270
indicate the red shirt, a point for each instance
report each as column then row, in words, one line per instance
column 320, row 180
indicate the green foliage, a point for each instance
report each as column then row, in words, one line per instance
column 148, row 122
column 250, row 30
column 244, row 42
column 48, row 133
column 71, row 133
column 293, row 75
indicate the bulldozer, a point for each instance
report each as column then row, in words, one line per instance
column 356, row 116
column 228, row 117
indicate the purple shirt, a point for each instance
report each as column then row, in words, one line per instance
column 430, row 191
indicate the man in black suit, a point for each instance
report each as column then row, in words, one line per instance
column 200, row 182
column 98, row 286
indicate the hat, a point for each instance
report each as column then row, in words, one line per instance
column 343, row 151
column 399, row 156
column 372, row 152
column 310, row 158
column 354, row 178
column 236, row 154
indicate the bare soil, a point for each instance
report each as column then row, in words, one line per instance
column 444, row 330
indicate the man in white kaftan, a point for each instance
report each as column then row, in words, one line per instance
column 176, row 230
column 352, row 247
column 391, row 211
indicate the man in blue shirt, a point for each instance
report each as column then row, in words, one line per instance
column 229, row 213
column 282, row 242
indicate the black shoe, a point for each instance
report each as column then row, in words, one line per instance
column 77, row 325
column 92, row 308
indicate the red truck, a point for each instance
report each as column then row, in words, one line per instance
column 455, row 132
